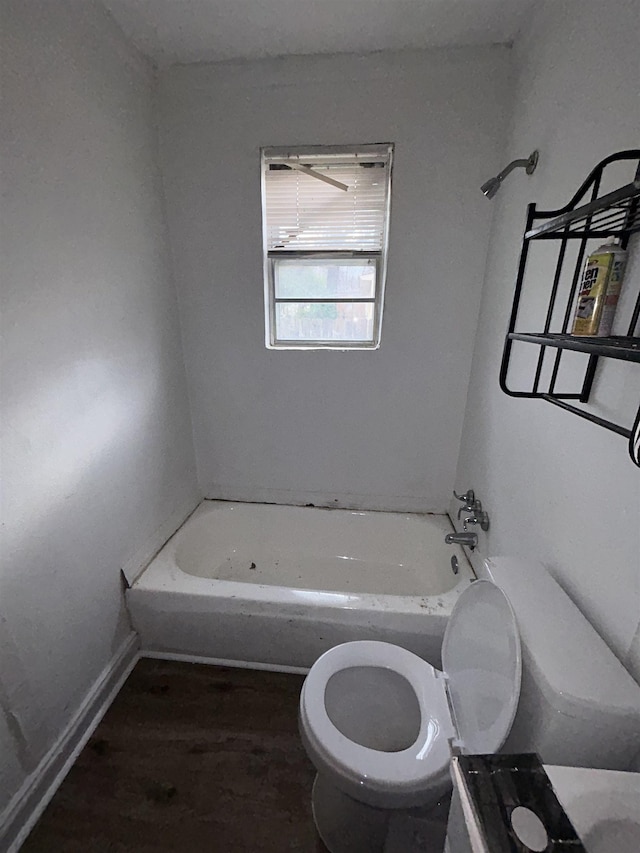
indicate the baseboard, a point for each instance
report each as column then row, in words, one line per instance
column 29, row 802
column 134, row 567
column 235, row 664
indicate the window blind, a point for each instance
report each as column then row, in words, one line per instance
column 305, row 213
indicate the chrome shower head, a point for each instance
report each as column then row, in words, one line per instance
column 491, row 187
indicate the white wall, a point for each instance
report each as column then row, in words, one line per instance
column 369, row 429
column 97, row 449
column 557, row 487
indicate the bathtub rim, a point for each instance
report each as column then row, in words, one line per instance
column 162, row 574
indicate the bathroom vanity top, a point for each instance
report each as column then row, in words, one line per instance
column 604, row 806
column 555, row 808
column 509, row 805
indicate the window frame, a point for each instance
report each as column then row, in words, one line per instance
column 322, row 343
column 270, row 258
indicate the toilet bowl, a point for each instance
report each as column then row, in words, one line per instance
column 379, row 723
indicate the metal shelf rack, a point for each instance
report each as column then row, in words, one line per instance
column 587, row 216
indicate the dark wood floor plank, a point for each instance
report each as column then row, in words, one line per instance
column 189, row 758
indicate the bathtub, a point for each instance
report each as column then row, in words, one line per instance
column 276, row 586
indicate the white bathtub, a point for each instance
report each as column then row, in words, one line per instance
column 276, row 585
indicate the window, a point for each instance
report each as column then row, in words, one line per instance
column 325, row 226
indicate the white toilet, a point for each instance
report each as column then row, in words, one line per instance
column 379, row 723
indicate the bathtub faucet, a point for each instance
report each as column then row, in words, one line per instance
column 468, row 539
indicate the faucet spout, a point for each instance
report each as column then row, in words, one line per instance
column 468, row 539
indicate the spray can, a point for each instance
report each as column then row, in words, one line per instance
column 599, row 291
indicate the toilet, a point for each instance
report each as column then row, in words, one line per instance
column 380, row 724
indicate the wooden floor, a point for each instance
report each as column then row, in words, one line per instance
column 188, row 758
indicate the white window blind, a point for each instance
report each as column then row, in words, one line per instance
column 305, row 213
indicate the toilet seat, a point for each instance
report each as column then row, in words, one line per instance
column 404, row 776
column 472, row 703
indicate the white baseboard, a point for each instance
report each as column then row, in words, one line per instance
column 235, row 664
column 29, row 802
column 26, row 806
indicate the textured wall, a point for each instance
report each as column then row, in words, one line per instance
column 97, row 449
column 559, row 488
column 371, row 429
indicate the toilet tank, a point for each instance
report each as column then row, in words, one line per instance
column 578, row 705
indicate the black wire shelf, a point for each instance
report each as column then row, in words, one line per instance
column 615, row 346
column 587, row 216
column 616, row 214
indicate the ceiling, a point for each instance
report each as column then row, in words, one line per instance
column 171, row 31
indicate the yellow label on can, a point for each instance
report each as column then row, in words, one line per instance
column 591, row 298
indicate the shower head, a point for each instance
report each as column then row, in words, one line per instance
column 491, row 187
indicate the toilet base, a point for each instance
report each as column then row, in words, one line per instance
column 346, row 825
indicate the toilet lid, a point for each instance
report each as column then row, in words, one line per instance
column 482, row 660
